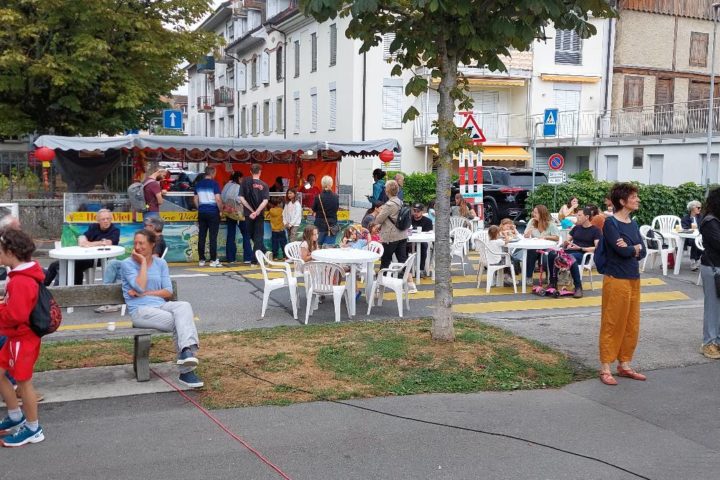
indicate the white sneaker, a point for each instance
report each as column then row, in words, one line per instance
column 412, row 288
column 216, row 264
column 201, row 263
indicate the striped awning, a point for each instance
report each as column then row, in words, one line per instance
column 502, row 153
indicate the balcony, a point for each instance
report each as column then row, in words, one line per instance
column 205, row 104
column 206, row 65
column 224, row 97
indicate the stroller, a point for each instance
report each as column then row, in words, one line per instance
column 562, row 264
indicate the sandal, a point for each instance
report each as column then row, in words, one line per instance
column 630, row 373
column 108, row 309
column 607, row 378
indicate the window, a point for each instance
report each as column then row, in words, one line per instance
column 314, row 107
column 611, row 168
column 243, row 122
column 279, row 64
column 332, row 117
column 231, row 126
column 231, row 76
column 231, row 31
column 266, row 117
column 254, row 119
column 656, row 169
column 254, row 73
column 279, row 114
column 264, row 68
column 633, row 91
column 221, row 127
column 296, row 101
column 638, row 155
column 333, row 44
column 392, row 103
column 297, row 58
column 568, row 47
column 242, row 77
column 313, row 52
column 698, row 49
column 712, row 170
column 386, row 42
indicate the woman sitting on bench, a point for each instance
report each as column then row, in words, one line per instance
column 147, row 288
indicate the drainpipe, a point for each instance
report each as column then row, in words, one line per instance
column 364, row 93
column 608, row 61
column 285, row 99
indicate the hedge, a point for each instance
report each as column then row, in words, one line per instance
column 654, row 199
column 419, row 187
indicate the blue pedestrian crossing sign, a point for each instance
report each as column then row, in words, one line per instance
column 550, row 119
column 173, row 119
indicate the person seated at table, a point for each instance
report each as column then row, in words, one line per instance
column 370, row 214
column 691, row 221
column 583, row 238
column 102, row 233
column 596, row 218
column 351, row 239
column 540, row 226
column 509, row 233
column 570, row 209
column 461, row 209
column 375, row 233
column 309, row 243
column 419, row 220
column 148, row 291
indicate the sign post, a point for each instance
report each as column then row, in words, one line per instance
column 556, row 176
column 470, row 168
column 173, row 119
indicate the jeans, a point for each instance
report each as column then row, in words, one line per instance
column 711, row 312
column 175, row 317
column 325, row 238
column 574, row 269
column 208, row 221
column 399, row 248
column 278, row 242
column 532, row 257
column 7, row 374
column 230, row 245
column 112, row 272
column 256, row 231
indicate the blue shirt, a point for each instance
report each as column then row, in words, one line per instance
column 206, row 190
column 621, row 261
column 158, row 276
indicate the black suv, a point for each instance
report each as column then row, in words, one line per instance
column 504, row 192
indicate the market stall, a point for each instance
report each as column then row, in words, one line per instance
column 86, row 161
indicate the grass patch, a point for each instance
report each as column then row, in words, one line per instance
column 351, row 360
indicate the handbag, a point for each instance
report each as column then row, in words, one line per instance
column 332, row 229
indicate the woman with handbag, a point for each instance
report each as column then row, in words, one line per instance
column 234, row 218
column 710, row 274
column 325, row 207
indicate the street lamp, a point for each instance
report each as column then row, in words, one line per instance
column 711, row 101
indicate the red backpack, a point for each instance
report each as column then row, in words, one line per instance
column 46, row 316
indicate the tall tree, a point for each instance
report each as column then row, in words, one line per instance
column 88, row 67
column 440, row 35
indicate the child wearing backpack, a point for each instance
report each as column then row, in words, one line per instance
column 20, row 352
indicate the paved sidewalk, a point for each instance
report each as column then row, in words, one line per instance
column 665, row 428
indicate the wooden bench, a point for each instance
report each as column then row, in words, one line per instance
column 96, row 295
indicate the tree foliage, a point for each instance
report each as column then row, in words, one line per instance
column 432, row 38
column 88, row 67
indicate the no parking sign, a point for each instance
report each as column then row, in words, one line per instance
column 556, row 161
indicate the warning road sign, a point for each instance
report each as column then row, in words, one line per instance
column 472, row 128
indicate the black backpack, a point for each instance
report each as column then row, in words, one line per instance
column 46, row 316
column 404, row 218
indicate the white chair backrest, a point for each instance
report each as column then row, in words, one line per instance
column 323, row 276
column 164, row 252
column 456, row 221
column 409, row 267
column 699, row 242
column 262, row 261
column 460, row 235
column 477, row 237
column 644, row 229
column 555, row 217
column 482, row 249
column 665, row 223
column 376, row 247
column 292, row 251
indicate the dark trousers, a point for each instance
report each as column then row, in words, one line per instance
column 423, row 253
column 325, row 238
column 51, row 276
column 231, row 247
column 398, row 248
column 256, row 231
column 278, row 241
column 532, row 257
column 211, row 222
column 574, row 269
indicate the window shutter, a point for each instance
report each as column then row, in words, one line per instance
column 633, row 92
column 664, row 91
column 313, row 49
column 698, row 49
column 258, row 71
column 297, row 58
column 242, row 77
column 279, row 115
column 257, row 119
column 568, row 47
column 279, row 65
column 243, row 121
column 314, row 109
column 392, row 104
column 332, row 118
column 271, row 120
column 386, row 42
column 296, row 99
column 265, row 68
column 333, row 44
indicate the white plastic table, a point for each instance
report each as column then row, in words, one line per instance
column 352, row 257
column 679, row 238
column 529, row 244
column 68, row 256
column 422, row 237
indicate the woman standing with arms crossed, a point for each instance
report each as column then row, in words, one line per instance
column 620, row 312
column 709, row 264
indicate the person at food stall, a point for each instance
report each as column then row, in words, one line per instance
column 254, row 196
column 209, row 205
column 309, row 192
column 278, row 186
column 234, row 219
column 325, row 209
column 378, row 187
column 154, row 191
column 100, row 234
column 400, row 179
column 292, row 214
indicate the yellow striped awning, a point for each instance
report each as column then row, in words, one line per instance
column 503, row 153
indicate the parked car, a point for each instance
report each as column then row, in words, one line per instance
column 504, row 192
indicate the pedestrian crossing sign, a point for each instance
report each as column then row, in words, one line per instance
column 550, row 122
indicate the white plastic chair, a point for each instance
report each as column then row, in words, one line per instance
column 587, row 264
column 701, row 247
column 271, row 284
column 493, row 269
column 459, row 237
column 164, row 253
column 458, row 221
column 362, row 268
column 388, row 278
column 322, row 278
column 292, row 254
column 660, row 252
column 477, row 236
column 665, row 223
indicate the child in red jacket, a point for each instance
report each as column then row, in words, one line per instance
column 20, row 352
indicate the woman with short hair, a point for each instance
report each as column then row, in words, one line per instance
column 325, row 207
column 691, row 221
column 709, row 267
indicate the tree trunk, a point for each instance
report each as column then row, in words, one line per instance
column 442, row 326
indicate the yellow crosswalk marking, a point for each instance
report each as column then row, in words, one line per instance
column 93, row 326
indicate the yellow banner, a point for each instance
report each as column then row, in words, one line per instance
column 179, row 216
column 91, row 217
column 127, row 217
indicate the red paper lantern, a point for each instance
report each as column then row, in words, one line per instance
column 45, row 154
column 386, row 156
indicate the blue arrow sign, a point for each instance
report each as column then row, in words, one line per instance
column 550, row 119
column 173, row 119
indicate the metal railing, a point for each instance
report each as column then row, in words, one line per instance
column 224, row 97
column 674, row 120
column 205, row 104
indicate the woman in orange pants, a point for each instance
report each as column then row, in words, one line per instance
column 620, row 314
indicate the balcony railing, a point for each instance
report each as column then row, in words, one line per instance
column 678, row 120
column 224, row 97
column 205, row 104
